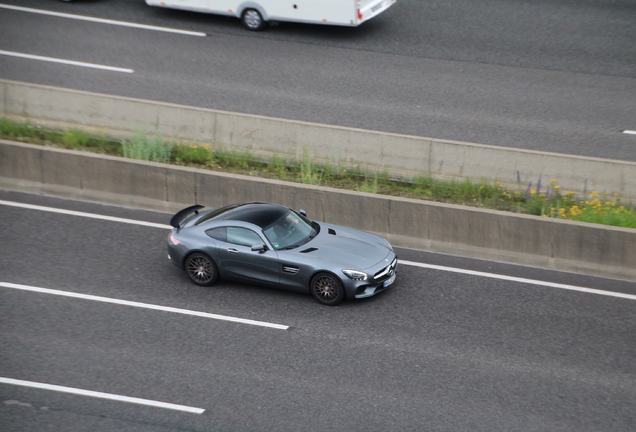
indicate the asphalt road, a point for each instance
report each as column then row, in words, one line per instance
column 438, row 351
column 556, row 75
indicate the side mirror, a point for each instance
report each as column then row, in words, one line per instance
column 259, row 248
column 303, row 212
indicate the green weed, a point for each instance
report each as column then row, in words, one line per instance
column 73, row 138
column 234, row 159
column 308, row 172
column 278, row 167
column 192, row 154
column 370, row 186
column 150, row 148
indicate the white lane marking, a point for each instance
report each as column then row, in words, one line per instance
column 101, row 395
column 67, row 62
column 82, row 214
column 630, row 132
column 103, row 21
column 411, row 263
column 142, row 305
column 521, row 280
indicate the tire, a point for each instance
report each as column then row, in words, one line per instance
column 327, row 289
column 201, row 269
column 252, row 20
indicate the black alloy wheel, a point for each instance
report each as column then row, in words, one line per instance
column 327, row 289
column 201, row 269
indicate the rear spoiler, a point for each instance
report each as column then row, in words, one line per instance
column 181, row 214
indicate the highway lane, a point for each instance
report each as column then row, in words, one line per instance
column 556, row 76
column 439, row 351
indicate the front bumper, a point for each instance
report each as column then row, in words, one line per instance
column 380, row 281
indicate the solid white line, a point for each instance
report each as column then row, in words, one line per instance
column 101, row 395
column 103, row 21
column 82, row 214
column 521, row 280
column 630, row 132
column 142, row 305
column 68, row 62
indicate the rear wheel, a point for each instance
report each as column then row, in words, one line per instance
column 252, row 20
column 327, row 289
column 201, row 269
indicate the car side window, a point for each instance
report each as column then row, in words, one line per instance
column 243, row 236
column 218, row 233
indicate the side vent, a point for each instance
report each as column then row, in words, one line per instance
column 331, row 231
column 292, row 270
column 311, row 249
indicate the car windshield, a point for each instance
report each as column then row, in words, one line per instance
column 290, row 231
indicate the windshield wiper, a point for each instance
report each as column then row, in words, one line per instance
column 300, row 243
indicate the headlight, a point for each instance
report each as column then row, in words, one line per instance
column 355, row 275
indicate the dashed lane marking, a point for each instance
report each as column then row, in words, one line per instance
column 101, row 395
column 142, row 305
column 102, row 20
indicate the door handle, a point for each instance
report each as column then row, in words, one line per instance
column 232, row 251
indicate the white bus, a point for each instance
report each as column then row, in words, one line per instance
column 255, row 14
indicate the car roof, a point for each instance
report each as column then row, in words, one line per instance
column 257, row 213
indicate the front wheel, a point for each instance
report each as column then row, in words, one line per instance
column 327, row 289
column 252, row 20
column 201, row 269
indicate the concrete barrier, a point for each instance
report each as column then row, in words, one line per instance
column 399, row 155
column 506, row 237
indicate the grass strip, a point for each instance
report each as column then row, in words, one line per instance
column 551, row 202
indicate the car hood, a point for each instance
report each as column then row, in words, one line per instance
column 351, row 248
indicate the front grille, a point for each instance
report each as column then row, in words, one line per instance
column 386, row 271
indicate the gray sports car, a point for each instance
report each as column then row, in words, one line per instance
column 272, row 245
